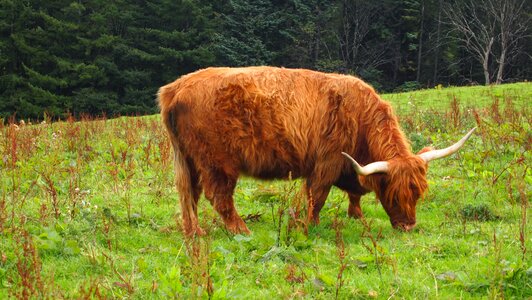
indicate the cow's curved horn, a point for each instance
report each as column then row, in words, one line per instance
column 440, row 153
column 375, row 167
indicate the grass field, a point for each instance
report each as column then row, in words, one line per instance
column 88, row 210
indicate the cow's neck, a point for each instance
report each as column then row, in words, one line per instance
column 384, row 138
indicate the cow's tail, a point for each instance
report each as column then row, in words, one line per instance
column 182, row 167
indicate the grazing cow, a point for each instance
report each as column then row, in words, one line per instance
column 270, row 122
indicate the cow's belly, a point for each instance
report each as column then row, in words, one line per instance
column 271, row 167
column 273, row 173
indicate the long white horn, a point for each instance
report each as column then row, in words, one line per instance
column 375, row 167
column 440, row 153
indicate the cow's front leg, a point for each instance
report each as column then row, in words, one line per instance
column 316, row 199
column 354, row 210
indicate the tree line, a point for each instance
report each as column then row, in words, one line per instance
column 110, row 56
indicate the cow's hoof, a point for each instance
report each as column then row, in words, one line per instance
column 195, row 231
column 355, row 212
column 238, row 227
column 315, row 220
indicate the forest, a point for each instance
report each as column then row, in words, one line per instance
column 96, row 57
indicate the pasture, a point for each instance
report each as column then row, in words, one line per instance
column 88, row 210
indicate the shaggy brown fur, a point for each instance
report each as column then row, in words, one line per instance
column 271, row 122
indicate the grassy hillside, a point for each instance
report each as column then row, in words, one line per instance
column 470, row 97
column 88, row 210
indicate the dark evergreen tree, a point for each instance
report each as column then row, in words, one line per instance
column 98, row 56
column 40, row 48
column 246, row 28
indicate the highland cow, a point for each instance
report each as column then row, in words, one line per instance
column 269, row 122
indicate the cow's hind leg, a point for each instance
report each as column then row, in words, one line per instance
column 196, row 188
column 219, row 188
column 190, row 188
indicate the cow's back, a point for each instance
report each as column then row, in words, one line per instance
column 262, row 121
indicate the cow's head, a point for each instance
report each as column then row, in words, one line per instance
column 401, row 181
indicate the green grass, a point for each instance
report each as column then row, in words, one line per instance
column 440, row 97
column 88, row 210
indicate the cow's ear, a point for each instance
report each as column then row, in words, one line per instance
column 426, row 149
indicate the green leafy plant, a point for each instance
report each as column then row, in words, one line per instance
column 89, row 209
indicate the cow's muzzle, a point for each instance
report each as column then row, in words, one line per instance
column 404, row 226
